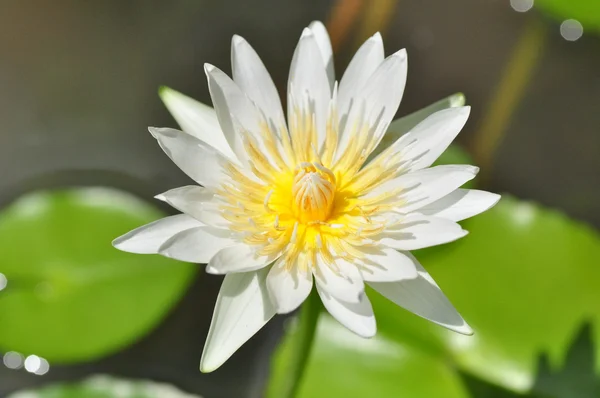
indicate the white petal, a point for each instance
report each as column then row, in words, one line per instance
column 197, row 159
column 308, row 84
column 357, row 317
column 250, row 74
column 377, row 102
column 423, row 297
column 196, row 119
column 403, row 125
column 236, row 113
column 430, row 138
column 461, row 204
column 242, row 309
column 324, row 43
column 196, row 245
column 148, row 238
column 433, row 184
column 345, row 283
column 238, row 258
column 384, row 264
column 417, row 231
column 366, row 60
column 420, row 188
column 198, row 202
column 288, row 286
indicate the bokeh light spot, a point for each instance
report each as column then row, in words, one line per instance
column 571, row 29
column 32, row 363
column 521, row 5
column 13, row 360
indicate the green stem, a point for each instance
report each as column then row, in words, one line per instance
column 301, row 345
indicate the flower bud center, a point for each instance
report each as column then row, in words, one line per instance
column 313, row 192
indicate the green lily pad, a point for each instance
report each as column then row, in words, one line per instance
column 344, row 365
column 106, row 387
column 525, row 278
column 585, row 11
column 71, row 296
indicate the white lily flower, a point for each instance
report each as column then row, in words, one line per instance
column 281, row 207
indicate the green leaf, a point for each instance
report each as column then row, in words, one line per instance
column 70, row 295
column 345, row 365
column 585, row 11
column 525, row 279
column 105, row 387
column 577, row 378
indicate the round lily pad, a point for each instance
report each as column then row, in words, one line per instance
column 70, row 296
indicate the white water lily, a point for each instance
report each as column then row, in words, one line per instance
column 283, row 208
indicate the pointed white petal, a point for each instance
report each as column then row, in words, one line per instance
column 324, row 43
column 250, row 74
column 403, row 125
column 377, row 102
column 345, row 283
column 406, row 123
column 238, row 258
column 198, row 202
column 434, row 183
column 423, row 297
column 196, row 245
column 366, row 60
column 416, row 231
column 236, row 113
column 384, row 264
column 308, row 84
column 196, row 119
column 198, row 160
column 430, row 138
column 461, row 204
column 420, row 188
column 288, row 286
column 357, row 317
column 243, row 308
column 148, row 238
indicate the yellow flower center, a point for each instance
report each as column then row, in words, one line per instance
column 313, row 192
column 298, row 203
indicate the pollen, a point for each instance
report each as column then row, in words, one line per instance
column 313, row 191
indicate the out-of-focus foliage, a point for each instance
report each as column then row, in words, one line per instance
column 70, row 295
column 520, row 263
column 345, row 365
column 585, row 11
column 576, row 379
column 106, row 387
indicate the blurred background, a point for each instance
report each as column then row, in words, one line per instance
column 78, row 88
